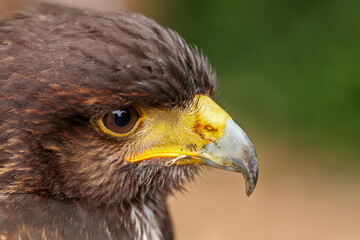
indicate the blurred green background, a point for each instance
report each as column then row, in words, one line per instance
column 288, row 67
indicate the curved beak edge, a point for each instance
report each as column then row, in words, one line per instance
column 233, row 151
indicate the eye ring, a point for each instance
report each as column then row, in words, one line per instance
column 120, row 122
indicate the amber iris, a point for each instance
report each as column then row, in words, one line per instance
column 121, row 121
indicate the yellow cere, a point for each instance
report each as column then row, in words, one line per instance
column 178, row 135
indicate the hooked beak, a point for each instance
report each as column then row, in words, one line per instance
column 233, row 151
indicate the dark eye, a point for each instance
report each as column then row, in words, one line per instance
column 121, row 121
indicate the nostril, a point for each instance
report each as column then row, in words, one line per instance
column 210, row 128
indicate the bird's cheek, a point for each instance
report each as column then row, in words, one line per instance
column 180, row 136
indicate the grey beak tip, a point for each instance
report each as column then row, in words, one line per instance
column 250, row 187
column 251, row 181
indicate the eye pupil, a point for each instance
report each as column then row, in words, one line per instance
column 122, row 117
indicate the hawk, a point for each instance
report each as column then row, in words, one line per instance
column 102, row 116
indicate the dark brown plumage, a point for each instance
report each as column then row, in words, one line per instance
column 60, row 69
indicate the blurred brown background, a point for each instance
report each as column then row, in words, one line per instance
column 288, row 73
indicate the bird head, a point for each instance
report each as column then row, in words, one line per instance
column 109, row 108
